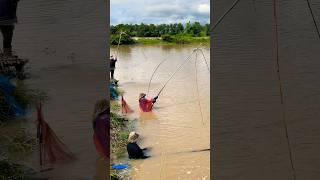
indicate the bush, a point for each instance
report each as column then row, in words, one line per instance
column 167, row 38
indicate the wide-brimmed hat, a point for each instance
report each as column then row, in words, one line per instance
column 133, row 137
column 142, row 95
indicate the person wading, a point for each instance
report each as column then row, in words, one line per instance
column 145, row 104
column 8, row 18
column 101, row 128
column 113, row 61
column 134, row 151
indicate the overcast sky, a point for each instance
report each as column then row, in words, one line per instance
column 159, row 11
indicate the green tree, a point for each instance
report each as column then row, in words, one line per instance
column 196, row 29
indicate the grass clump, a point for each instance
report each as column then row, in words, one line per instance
column 119, row 134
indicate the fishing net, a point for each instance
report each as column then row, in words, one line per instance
column 52, row 149
column 125, row 107
column 9, row 107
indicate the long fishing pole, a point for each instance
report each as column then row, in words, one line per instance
column 153, row 73
column 39, row 134
column 276, row 42
column 197, row 84
column 119, row 44
column 314, row 20
column 205, row 59
column 144, row 55
column 188, row 58
column 222, row 17
column 191, row 151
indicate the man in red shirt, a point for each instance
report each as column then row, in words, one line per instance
column 146, row 104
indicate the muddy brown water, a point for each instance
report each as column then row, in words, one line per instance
column 65, row 42
column 175, row 126
column 247, row 128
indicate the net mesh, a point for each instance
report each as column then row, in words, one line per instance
column 52, row 149
column 125, row 107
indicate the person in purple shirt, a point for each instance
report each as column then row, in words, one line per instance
column 101, row 127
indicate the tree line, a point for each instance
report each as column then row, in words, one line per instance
column 151, row 30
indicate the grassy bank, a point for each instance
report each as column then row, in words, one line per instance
column 165, row 39
column 16, row 142
column 173, row 40
column 119, row 131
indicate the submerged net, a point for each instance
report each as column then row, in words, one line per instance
column 125, row 107
column 52, row 149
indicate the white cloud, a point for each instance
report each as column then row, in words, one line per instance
column 159, row 11
column 204, row 9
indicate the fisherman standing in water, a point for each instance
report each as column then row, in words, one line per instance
column 146, row 104
column 113, row 61
column 8, row 18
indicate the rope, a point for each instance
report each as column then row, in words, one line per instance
column 205, row 59
column 153, row 73
column 281, row 88
column 196, row 74
column 221, row 18
column 144, row 55
column 314, row 21
column 175, row 72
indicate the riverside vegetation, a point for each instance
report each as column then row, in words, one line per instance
column 160, row 34
column 120, row 127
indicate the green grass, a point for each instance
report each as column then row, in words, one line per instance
column 147, row 41
column 177, row 39
column 16, row 143
column 120, row 128
column 172, row 40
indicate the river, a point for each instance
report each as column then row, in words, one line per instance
column 176, row 125
column 65, row 42
column 247, row 128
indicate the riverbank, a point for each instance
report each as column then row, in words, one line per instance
column 172, row 40
column 120, row 128
column 17, row 142
column 163, row 40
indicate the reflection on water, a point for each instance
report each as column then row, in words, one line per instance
column 65, row 43
column 175, row 123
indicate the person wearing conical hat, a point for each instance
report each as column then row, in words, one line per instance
column 134, row 151
column 145, row 104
